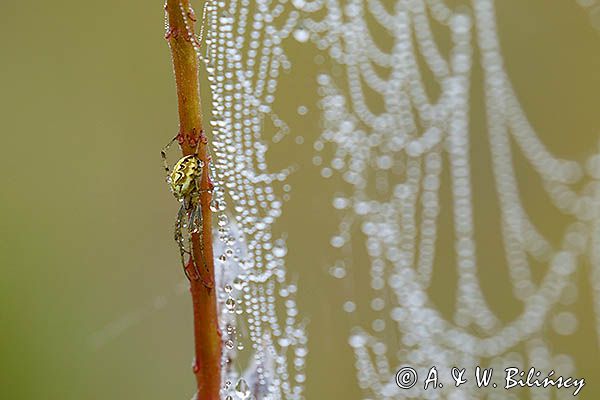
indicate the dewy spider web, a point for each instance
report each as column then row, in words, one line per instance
column 400, row 151
column 258, row 313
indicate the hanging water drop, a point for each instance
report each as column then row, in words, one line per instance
column 301, row 35
column 230, row 304
column 279, row 251
column 238, row 283
column 242, row 389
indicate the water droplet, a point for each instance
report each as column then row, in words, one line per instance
column 230, row 304
column 228, row 288
column 242, row 389
column 279, row 251
column 357, row 340
column 349, row 306
column 301, row 35
column 229, row 344
column 565, row 323
column 223, row 220
column 238, row 283
column 299, row 3
column 337, row 271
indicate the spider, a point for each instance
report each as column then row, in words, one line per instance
column 184, row 183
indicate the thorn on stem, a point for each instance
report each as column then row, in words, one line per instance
column 203, row 137
column 190, row 270
column 209, row 284
column 173, row 32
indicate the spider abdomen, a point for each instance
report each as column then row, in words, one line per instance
column 184, row 178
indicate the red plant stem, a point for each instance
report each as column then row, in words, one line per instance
column 207, row 336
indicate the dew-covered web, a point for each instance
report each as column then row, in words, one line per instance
column 392, row 145
column 264, row 339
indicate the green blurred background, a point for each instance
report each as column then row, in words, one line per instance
column 91, row 301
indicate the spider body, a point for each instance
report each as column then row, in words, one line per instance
column 184, row 183
column 185, row 177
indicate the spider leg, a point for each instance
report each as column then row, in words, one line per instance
column 163, row 153
column 200, row 225
column 180, row 239
column 193, row 259
column 198, row 209
column 193, row 222
column 195, row 226
column 187, row 225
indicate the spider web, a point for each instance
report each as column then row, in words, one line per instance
column 265, row 343
column 389, row 141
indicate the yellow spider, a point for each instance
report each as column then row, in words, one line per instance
column 184, row 183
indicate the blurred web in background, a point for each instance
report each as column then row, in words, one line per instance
column 392, row 161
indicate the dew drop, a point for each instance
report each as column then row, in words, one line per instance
column 222, row 220
column 238, row 283
column 230, row 304
column 301, row 35
column 242, row 389
column 357, row 340
column 279, row 251
column 565, row 323
column 337, row 271
column 349, row 306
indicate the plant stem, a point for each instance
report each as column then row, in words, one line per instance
column 207, row 336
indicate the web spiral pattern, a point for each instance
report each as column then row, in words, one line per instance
column 390, row 141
